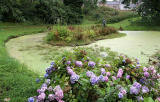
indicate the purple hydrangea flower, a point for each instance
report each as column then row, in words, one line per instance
column 94, row 80
column 120, row 72
column 146, row 74
column 137, row 85
column 70, row 71
column 101, row 78
column 120, row 95
column 134, row 90
column 145, row 89
column 79, row 63
column 89, row 73
column 31, row 99
column 91, row 63
column 128, row 77
column 46, row 75
column 74, row 78
column 123, row 91
column 107, row 65
column 68, row 62
column 51, row 97
column 52, row 63
column 37, row 80
column 139, row 98
column 124, row 61
column 138, row 66
column 44, row 85
column 103, row 71
column 48, row 81
column 142, row 80
column 39, row 91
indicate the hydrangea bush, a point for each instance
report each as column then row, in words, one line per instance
column 98, row 75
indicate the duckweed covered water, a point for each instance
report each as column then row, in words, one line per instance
column 137, row 44
column 33, row 52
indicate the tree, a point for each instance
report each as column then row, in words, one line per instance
column 103, row 2
column 148, row 9
column 75, row 8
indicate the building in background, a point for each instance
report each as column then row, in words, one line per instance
column 118, row 5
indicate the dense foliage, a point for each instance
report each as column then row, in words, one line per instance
column 110, row 14
column 47, row 11
column 98, row 75
column 148, row 9
column 78, row 35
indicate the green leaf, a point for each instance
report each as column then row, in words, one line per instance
column 148, row 99
column 100, row 100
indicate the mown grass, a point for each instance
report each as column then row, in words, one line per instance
column 134, row 24
column 16, row 82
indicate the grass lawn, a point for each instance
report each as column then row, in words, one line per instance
column 16, row 82
column 132, row 25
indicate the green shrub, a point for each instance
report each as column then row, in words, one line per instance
column 76, row 34
column 111, row 15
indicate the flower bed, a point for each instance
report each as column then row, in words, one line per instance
column 78, row 35
column 90, row 75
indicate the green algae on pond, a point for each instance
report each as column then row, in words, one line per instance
column 137, row 44
column 32, row 51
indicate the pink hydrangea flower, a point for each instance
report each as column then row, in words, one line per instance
column 120, row 72
column 51, row 97
column 158, row 99
column 108, row 74
column 41, row 97
column 114, row 78
column 59, row 95
column 151, row 68
column 145, row 69
column 106, row 79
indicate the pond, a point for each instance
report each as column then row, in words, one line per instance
column 31, row 49
column 137, row 44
